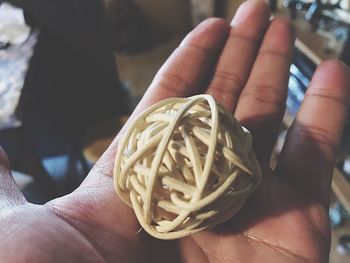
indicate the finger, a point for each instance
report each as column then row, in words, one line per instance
column 182, row 74
column 261, row 104
column 235, row 62
column 309, row 153
column 9, row 193
column 186, row 69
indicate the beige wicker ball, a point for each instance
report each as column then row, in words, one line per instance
column 185, row 165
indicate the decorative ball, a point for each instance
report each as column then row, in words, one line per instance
column 185, row 165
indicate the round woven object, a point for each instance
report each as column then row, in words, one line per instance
column 185, row 165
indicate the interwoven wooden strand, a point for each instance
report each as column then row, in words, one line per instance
column 185, row 165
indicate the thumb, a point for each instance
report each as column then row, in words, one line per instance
column 10, row 195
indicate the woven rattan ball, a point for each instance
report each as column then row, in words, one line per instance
column 185, row 165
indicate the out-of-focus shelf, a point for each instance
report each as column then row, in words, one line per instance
column 341, row 188
column 307, row 51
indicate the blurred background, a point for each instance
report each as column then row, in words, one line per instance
column 71, row 71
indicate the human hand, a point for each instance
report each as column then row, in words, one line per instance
column 285, row 220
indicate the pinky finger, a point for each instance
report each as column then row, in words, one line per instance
column 309, row 153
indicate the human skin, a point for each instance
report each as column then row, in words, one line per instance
column 285, row 220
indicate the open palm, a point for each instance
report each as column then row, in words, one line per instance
column 245, row 66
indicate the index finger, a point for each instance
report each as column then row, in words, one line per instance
column 181, row 75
